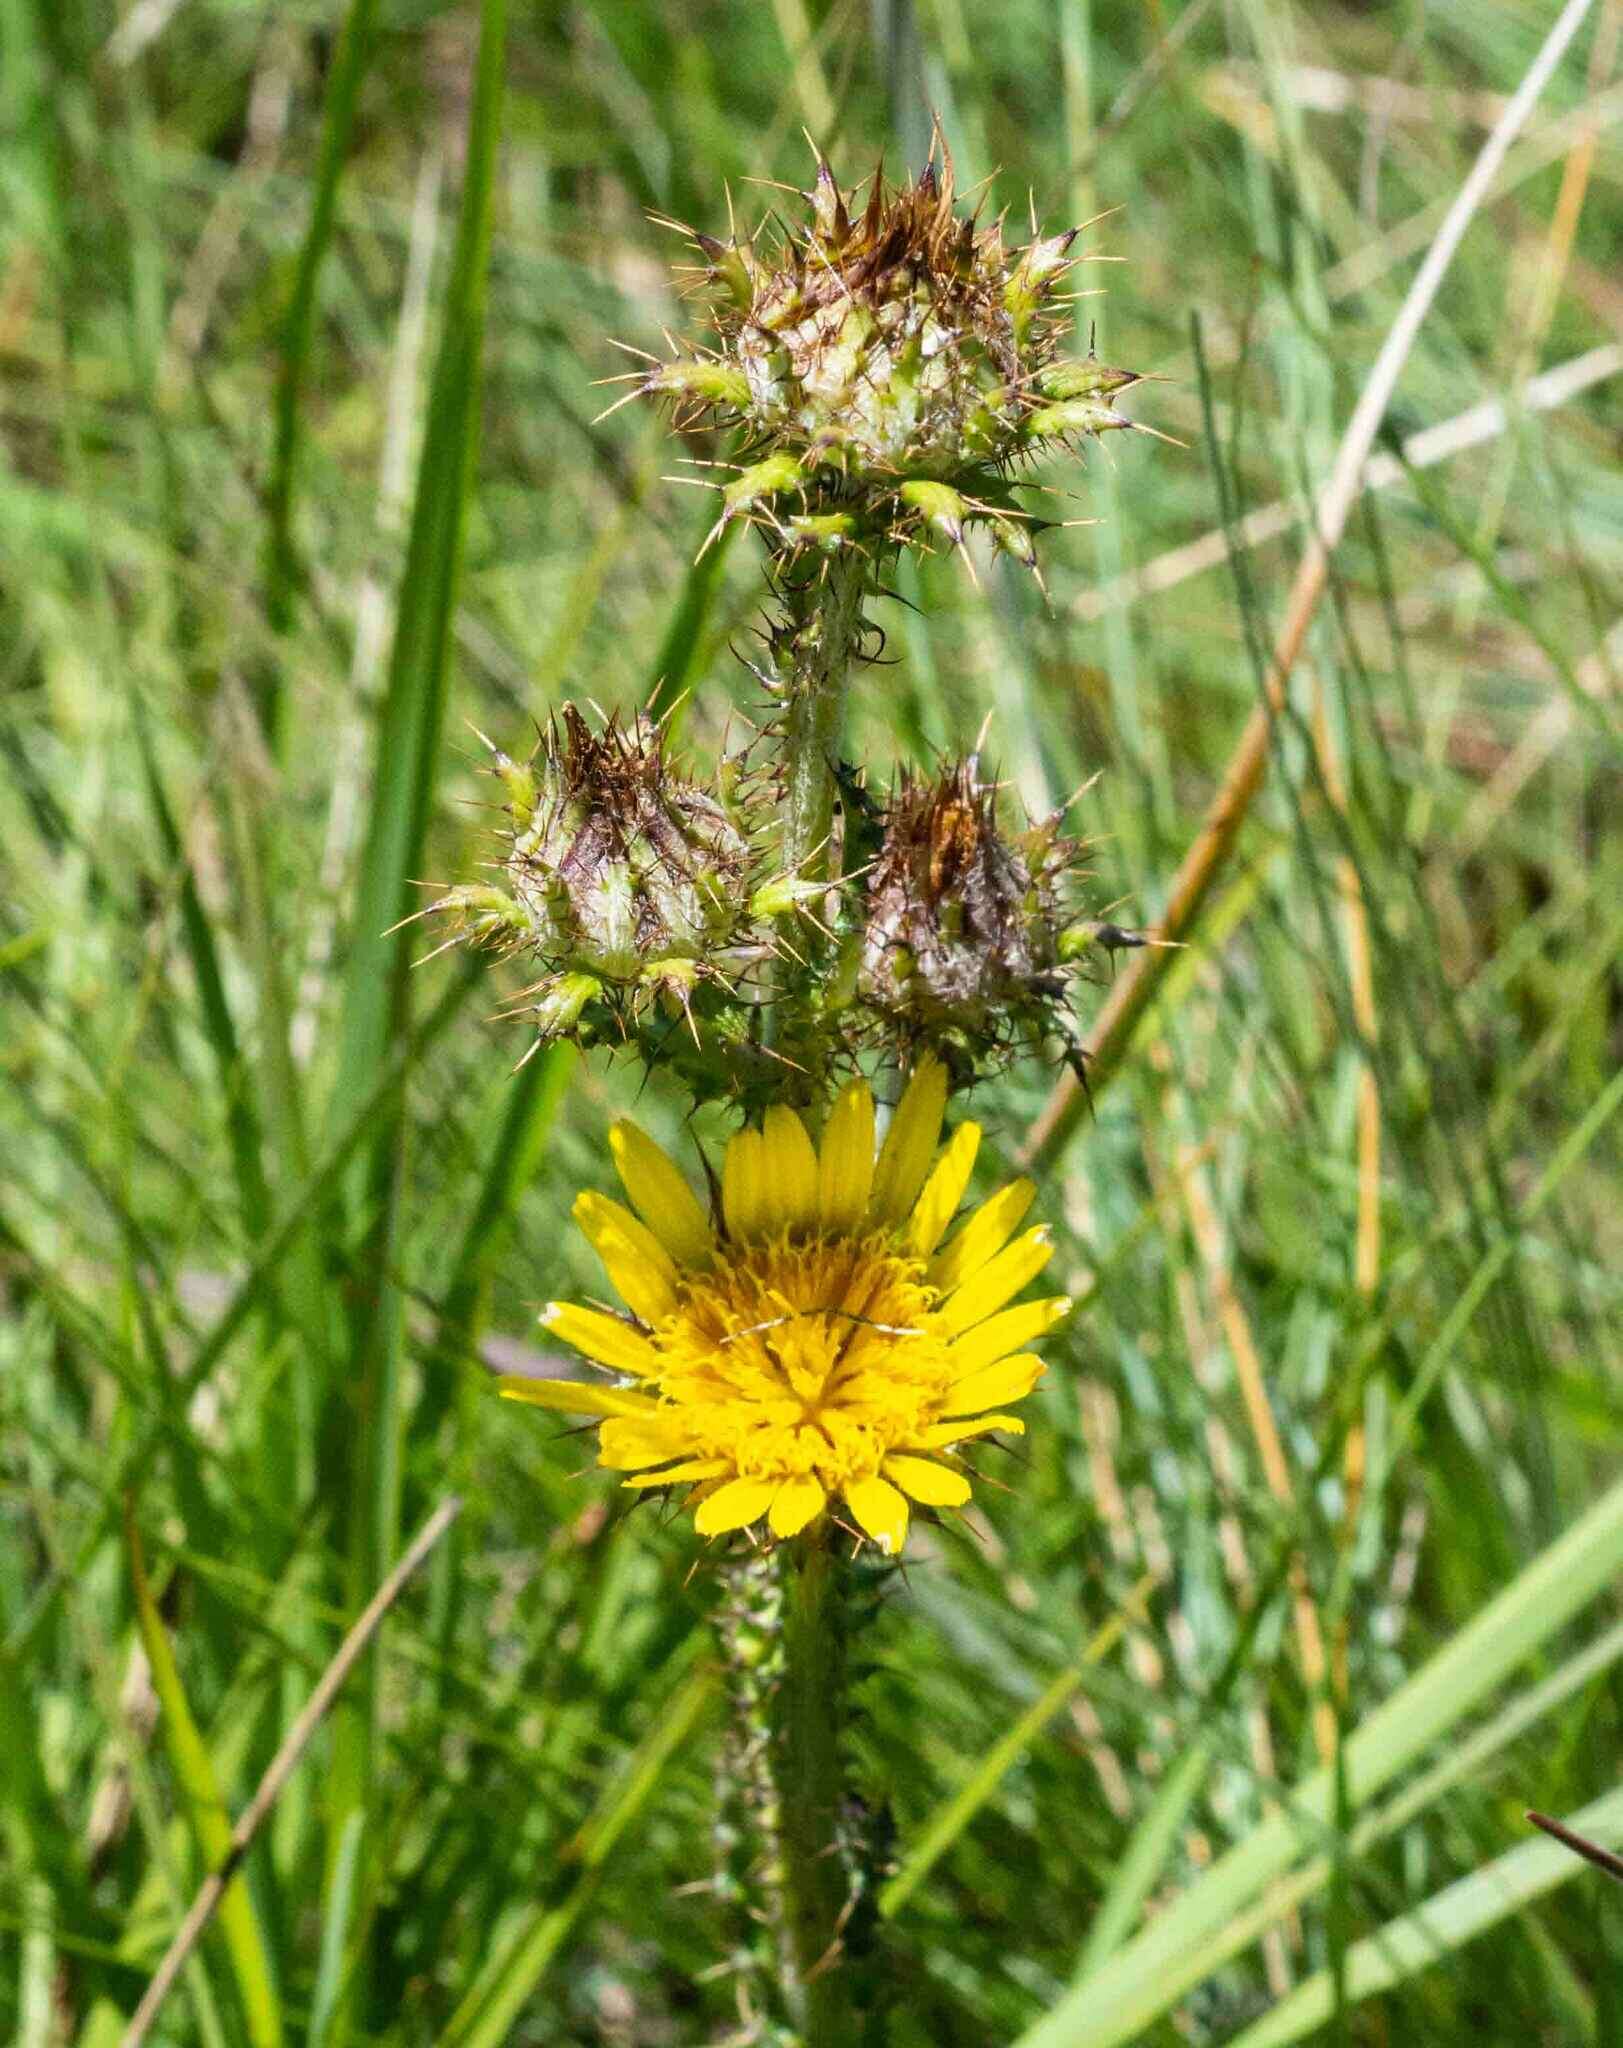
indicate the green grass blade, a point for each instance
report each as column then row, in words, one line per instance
column 205, row 1809
column 337, row 125
column 377, row 1002
column 534, row 1096
column 1444, row 1925
column 242, row 1120
column 1147, row 1851
column 340, row 1906
column 684, row 634
column 531, row 1109
column 407, row 753
column 498, row 1995
column 1147, row 1978
column 950, row 1820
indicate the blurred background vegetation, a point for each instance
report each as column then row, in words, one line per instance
column 297, row 307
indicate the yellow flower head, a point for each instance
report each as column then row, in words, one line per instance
column 817, row 1342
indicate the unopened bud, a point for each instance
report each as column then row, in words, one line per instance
column 888, row 366
column 963, row 930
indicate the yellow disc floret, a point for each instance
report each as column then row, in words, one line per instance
column 817, row 1342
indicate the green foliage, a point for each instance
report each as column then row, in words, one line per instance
column 301, row 315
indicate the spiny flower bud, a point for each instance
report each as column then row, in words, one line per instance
column 633, row 886
column 887, row 367
column 966, row 945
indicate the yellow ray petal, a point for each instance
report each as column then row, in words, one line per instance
column 630, row 1443
column 634, row 1259
column 797, row 1502
column 1011, row 1379
column 573, row 1397
column 926, row 1481
column 1013, row 1330
column 735, row 1505
column 743, row 1187
column 998, row 1281
column 676, row 1475
column 789, row 1170
column 660, row 1194
column 941, row 1435
column 880, row 1511
column 605, row 1338
column 599, row 1213
column 904, row 1158
column 943, row 1191
column 986, row 1232
column 845, row 1168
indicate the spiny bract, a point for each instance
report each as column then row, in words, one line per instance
column 887, row 368
column 638, row 891
column 967, row 944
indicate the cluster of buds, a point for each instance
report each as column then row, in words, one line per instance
column 970, row 939
column 648, row 903
column 887, row 369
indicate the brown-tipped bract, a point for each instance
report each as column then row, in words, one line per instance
column 965, row 931
column 630, row 884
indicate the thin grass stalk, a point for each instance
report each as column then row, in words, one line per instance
column 1214, row 842
column 350, row 57
column 377, row 1011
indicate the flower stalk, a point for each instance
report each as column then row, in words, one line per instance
column 809, row 1773
column 813, row 652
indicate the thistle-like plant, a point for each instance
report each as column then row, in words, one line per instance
column 814, row 1356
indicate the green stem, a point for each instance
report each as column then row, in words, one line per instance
column 807, row 1769
column 813, row 650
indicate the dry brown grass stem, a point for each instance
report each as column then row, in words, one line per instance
column 280, row 1769
column 1215, row 839
column 1251, row 1379
column 1545, row 296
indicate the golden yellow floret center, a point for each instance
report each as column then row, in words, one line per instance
column 790, row 1358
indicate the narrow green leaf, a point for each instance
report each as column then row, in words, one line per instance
column 1437, row 1930
column 532, row 1105
column 337, row 124
column 242, row 1120
column 377, row 998
column 339, row 1908
column 679, row 650
column 1148, row 1977
column 950, row 1820
column 1147, row 1850
column 407, row 753
column 204, row 1808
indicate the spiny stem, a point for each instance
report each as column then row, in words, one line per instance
column 813, row 650
column 807, row 1767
